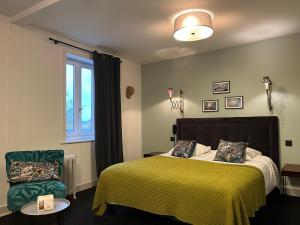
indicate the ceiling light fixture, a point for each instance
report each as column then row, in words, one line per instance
column 193, row 26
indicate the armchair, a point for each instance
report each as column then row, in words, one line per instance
column 23, row 193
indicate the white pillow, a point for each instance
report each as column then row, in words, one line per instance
column 201, row 149
column 170, row 152
column 251, row 153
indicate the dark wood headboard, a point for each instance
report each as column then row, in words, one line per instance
column 260, row 132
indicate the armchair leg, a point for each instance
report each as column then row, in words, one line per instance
column 15, row 219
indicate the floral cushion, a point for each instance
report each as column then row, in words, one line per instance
column 35, row 156
column 21, row 172
column 234, row 152
column 21, row 194
column 184, row 149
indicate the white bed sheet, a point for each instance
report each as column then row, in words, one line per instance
column 264, row 163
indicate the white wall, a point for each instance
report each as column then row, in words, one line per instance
column 4, row 109
column 31, row 101
column 131, row 110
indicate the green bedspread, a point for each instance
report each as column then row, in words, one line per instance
column 193, row 191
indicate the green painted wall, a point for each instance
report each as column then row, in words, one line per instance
column 244, row 66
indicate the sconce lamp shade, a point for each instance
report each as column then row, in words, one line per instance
column 193, row 26
column 170, row 92
column 266, row 81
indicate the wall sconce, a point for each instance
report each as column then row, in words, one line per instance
column 176, row 104
column 268, row 85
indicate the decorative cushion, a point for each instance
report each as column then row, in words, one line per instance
column 234, row 152
column 184, row 149
column 21, row 172
column 35, row 156
column 21, row 194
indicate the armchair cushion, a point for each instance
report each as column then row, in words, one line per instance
column 21, row 194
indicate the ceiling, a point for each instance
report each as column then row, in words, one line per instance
column 141, row 30
column 12, row 7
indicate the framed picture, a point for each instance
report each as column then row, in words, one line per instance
column 235, row 102
column 210, row 105
column 221, row 87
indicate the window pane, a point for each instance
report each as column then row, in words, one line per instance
column 69, row 99
column 86, row 100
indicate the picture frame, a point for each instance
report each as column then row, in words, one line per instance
column 234, row 102
column 221, row 87
column 210, row 105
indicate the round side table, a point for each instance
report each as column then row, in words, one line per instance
column 60, row 204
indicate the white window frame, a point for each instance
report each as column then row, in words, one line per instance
column 78, row 63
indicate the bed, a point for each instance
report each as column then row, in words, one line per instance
column 197, row 190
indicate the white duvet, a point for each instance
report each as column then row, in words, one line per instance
column 264, row 163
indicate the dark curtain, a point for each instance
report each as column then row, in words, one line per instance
column 108, row 128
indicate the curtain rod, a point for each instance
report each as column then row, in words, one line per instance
column 73, row 46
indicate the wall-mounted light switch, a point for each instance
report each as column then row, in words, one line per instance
column 288, row 143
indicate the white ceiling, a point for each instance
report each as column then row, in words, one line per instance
column 11, row 7
column 141, row 30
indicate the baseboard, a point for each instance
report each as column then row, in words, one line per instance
column 84, row 186
column 4, row 211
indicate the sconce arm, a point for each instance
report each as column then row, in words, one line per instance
column 269, row 100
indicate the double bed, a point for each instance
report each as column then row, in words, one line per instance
column 199, row 190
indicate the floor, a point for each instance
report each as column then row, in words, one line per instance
column 279, row 211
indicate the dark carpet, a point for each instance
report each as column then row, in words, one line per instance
column 279, row 211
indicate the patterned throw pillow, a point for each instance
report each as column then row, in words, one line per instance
column 21, row 172
column 184, row 149
column 234, row 152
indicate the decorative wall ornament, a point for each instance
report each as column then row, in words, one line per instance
column 221, row 87
column 234, row 102
column 176, row 104
column 268, row 86
column 210, row 105
column 129, row 91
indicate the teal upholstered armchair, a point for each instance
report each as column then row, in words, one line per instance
column 23, row 193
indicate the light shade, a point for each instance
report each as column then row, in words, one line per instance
column 266, row 80
column 170, row 92
column 193, row 26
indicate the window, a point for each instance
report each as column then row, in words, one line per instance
column 79, row 99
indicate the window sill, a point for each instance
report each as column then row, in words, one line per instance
column 74, row 140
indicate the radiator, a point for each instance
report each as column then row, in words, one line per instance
column 69, row 174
